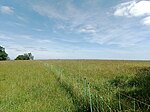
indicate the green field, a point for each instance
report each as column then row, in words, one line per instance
column 75, row 86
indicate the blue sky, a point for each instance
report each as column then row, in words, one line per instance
column 76, row 29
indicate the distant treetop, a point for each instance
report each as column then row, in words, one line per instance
column 26, row 56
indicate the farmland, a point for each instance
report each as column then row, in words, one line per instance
column 74, row 86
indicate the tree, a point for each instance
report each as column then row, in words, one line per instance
column 30, row 56
column 3, row 54
column 26, row 56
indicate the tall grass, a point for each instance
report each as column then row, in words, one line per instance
column 112, row 84
column 75, row 86
column 27, row 86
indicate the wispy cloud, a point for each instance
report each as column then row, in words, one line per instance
column 95, row 27
column 38, row 29
column 6, row 10
column 5, row 37
column 71, row 18
column 43, row 41
column 22, row 38
column 67, row 13
column 121, row 38
column 48, row 10
column 21, row 18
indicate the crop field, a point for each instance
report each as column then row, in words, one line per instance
column 75, row 86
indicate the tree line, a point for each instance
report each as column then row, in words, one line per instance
column 4, row 55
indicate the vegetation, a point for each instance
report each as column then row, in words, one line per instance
column 3, row 54
column 27, row 56
column 75, row 86
column 27, row 86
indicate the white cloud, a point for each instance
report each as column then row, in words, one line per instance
column 88, row 29
column 133, row 8
column 123, row 9
column 146, row 21
column 141, row 8
column 6, row 10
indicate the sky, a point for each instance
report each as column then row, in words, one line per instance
column 76, row 29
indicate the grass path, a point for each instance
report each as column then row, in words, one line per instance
column 30, row 87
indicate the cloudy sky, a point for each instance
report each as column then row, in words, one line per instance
column 76, row 29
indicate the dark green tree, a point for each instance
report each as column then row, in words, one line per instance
column 3, row 54
column 26, row 56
